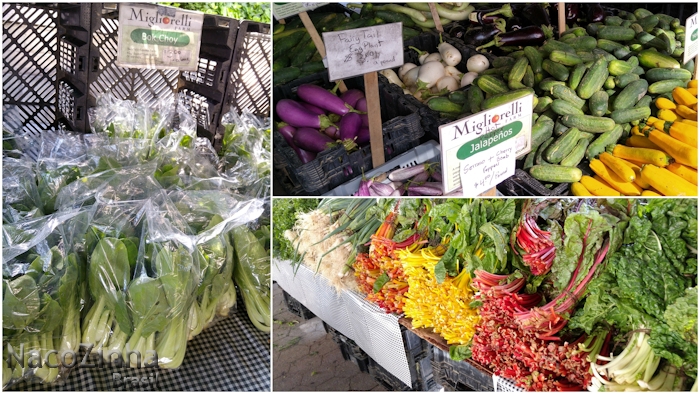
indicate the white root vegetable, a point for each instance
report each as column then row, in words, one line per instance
column 478, row 63
column 433, row 57
column 406, row 91
column 450, row 55
column 405, row 68
column 411, row 76
column 447, row 82
column 453, row 72
column 468, row 78
column 392, row 77
column 429, row 74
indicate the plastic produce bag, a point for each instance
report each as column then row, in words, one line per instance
column 43, row 293
column 21, row 199
column 252, row 275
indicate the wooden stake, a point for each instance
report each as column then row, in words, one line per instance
column 376, row 140
column 561, row 8
column 436, row 17
column 318, row 41
column 490, row 192
column 282, row 21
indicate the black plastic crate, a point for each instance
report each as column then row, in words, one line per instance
column 350, row 350
column 385, row 378
column 419, row 354
column 29, row 79
column 459, row 375
column 401, row 130
column 296, row 307
column 523, row 184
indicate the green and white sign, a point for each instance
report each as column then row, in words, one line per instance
column 152, row 36
column 285, row 10
column 691, row 38
column 479, row 151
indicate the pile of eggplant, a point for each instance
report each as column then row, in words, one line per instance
column 320, row 120
column 417, row 180
column 521, row 24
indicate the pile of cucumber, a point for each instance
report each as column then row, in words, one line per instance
column 592, row 86
column 294, row 52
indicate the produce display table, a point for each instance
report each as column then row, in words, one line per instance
column 375, row 331
column 232, row 355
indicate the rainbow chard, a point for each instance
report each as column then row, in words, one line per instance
column 534, row 245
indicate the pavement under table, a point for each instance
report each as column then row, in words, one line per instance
column 305, row 357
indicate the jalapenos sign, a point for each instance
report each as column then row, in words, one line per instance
column 479, row 151
column 159, row 37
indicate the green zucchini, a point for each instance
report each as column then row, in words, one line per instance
column 556, row 173
column 576, row 154
column 591, row 124
column 562, row 146
column 598, row 103
column 599, row 144
column 622, row 116
column 593, row 80
column 630, row 95
column 558, row 71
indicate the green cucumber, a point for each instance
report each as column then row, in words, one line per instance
column 599, row 144
column 619, row 67
column 586, row 56
column 651, row 59
column 609, row 83
column 491, row 84
column 517, row 73
column 576, row 154
column 598, row 103
column 659, row 74
column 593, row 80
column 541, row 132
column 608, row 45
column 280, row 63
column 393, row 17
column 313, row 67
column 443, row 104
column 553, row 44
column 503, row 61
column 559, row 128
column 530, row 159
column 583, row 43
column 458, row 96
column 612, row 21
column 529, row 77
column 503, row 98
column 591, row 124
column 286, row 75
column 534, row 59
column 622, row 116
column 563, row 107
column 565, row 58
column 630, row 95
column 546, row 84
column 562, row 146
column 665, row 86
column 475, row 96
column 558, row 71
column 539, row 157
column 615, row 33
column 543, row 104
column 576, row 76
column 565, row 93
column 556, row 173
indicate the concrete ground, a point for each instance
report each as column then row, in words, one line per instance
column 305, row 357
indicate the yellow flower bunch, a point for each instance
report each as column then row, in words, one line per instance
column 442, row 306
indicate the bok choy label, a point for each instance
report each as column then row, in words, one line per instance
column 691, row 38
column 479, row 151
column 160, row 37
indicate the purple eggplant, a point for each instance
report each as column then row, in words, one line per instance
column 421, row 177
column 424, row 191
column 382, row 189
column 403, row 174
column 536, row 14
column 365, row 120
column 351, row 96
column 395, row 193
column 363, row 191
column 361, row 105
column 313, row 109
column 349, row 126
column 527, row 36
column 305, row 156
column 363, row 136
column 332, row 132
column 484, row 34
column 595, row 13
column 312, row 140
column 324, row 99
column 297, row 115
column 437, row 175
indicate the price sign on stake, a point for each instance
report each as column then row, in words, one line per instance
column 479, row 151
column 360, row 51
column 160, row 37
column 285, row 10
column 691, row 38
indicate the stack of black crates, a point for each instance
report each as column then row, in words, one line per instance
column 73, row 47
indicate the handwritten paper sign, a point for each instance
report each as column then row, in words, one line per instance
column 285, row 10
column 691, row 38
column 479, row 151
column 360, row 51
column 159, row 37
